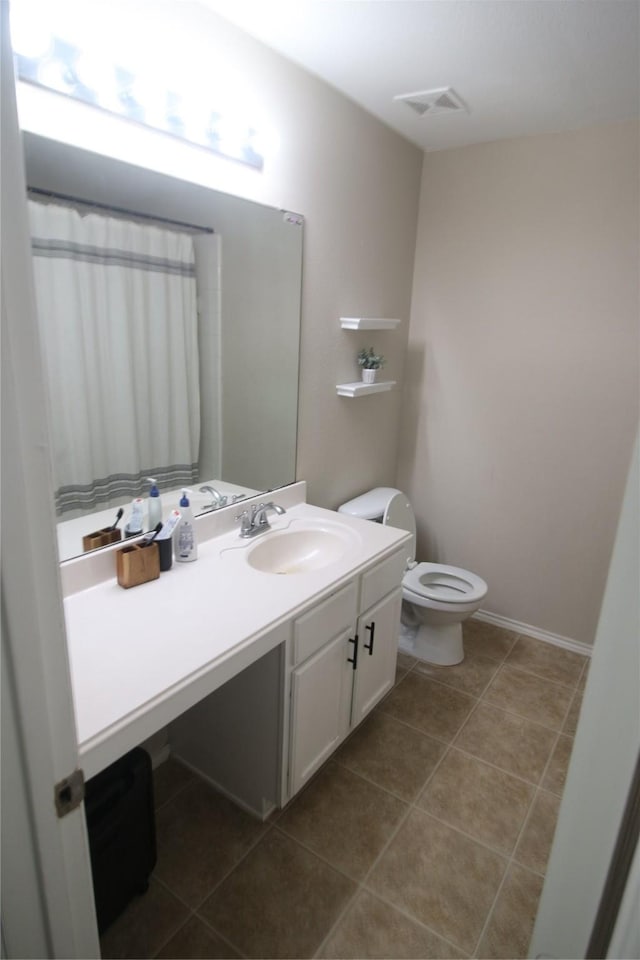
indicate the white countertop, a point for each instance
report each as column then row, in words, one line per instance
column 140, row 657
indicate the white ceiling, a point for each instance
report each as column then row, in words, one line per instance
column 521, row 66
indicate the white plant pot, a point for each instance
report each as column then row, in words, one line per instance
column 369, row 376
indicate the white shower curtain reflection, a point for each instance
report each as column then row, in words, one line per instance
column 118, row 317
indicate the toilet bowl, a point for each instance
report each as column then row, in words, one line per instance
column 437, row 598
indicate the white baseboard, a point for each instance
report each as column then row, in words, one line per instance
column 526, row 628
column 267, row 807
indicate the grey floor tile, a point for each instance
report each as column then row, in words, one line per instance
column 168, row 780
column 281, row 901
column 471, row 676
column 145, row 925
column 487, row 640
column 571, row 723
column 529, row 696
column 200, row 836
column 556, row 772
column 343, row 818
column 546, row 660
column 512, row 743
column 437, row 710
column 534, row 845
column 485, row 802
column 511, row 924
column 391, row 754
column 196, row 939
column 375, row 930
column 442, row 878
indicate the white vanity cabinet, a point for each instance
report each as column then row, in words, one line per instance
column 376, row 667
column 324, row 644
column 344, row 661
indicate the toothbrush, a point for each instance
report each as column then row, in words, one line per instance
column 156, row 531
column 117, row 519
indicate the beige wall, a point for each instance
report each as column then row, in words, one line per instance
column 521, row 400
column 357, row 184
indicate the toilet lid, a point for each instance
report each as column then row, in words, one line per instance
column 437, row 581
column 398, row 513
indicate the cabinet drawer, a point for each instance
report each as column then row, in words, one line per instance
column 384, row 577
column 324, row 622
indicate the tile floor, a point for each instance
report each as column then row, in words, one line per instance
column 426, row 835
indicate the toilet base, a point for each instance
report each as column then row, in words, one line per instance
column 439, row 644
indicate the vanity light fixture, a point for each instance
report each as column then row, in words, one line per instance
column 55, row 64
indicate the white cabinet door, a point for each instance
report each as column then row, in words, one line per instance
column 320, row 701
column 378, row 630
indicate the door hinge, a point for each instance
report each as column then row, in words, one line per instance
column 69, row 793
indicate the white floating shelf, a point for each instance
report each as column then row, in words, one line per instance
column 359, row 389
column 368, row 323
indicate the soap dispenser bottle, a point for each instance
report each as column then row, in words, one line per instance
column 155, row 504
column 186, row 547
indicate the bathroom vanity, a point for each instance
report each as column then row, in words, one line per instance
column 260, row 657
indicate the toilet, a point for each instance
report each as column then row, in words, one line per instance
column 436, row 597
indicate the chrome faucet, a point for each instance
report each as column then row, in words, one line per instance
column 217, row 499
column 255, row 522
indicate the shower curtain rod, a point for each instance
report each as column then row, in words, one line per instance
column 111, row 209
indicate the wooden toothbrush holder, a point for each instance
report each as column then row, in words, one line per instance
column 101, row 538
column 138, row 563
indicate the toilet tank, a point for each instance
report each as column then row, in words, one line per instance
column 370, row 505
column 386, row 505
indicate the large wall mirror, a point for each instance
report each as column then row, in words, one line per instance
column 234, row 391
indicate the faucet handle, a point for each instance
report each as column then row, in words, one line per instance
column 246, row 521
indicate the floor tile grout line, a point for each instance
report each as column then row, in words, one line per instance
column 409, row 916
column 494, row 766
column 241, row 859
column 521, row 716
column 193, row 912
column 379, row 786
column 510, row 862
column 525, row 636
column 470, row 836
column 410, row 804
column 341, row 915
column 519, row 668
column 362, row 884
column 362, row 881
column 169, row 889
column 487, row 920
column 513, row 856
column 226, row 940
column 180, row 790
column 481, row 697
column 172, row 935
column 441, row 683
column 190, row 913
column 411, row 726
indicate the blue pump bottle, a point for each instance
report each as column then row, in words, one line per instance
column 186, row 546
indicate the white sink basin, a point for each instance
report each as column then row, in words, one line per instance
column 298, row 551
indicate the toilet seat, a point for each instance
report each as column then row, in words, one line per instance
column 443, row 584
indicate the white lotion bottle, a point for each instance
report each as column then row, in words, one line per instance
column 155, row 505
column 185, row 544
column 135, row 521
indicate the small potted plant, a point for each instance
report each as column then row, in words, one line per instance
column 370, row 362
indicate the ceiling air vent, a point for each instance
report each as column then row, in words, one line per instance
column 433, row 102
